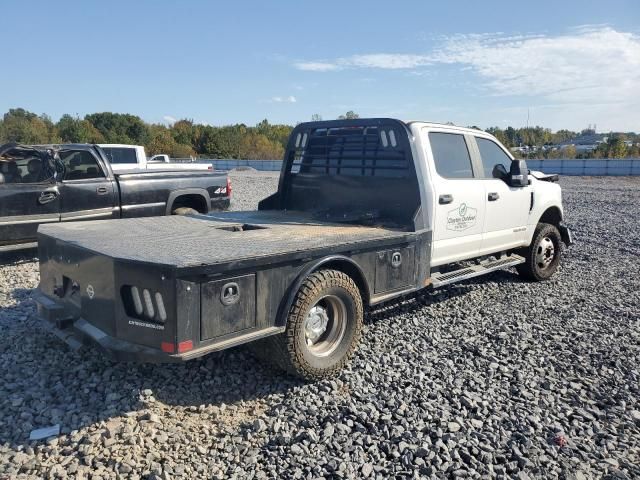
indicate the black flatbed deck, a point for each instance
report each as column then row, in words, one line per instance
column 184, row 242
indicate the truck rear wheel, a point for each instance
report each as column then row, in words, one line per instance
column 324, row 326
column 185, row 211
column 542, row 257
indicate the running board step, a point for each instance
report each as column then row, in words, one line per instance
column 19, row 246
column 439, row 279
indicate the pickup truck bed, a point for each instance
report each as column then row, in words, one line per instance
column 183, row 242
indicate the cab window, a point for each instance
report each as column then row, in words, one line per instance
column 23, row 166
column 492, row 155
column 450, row 155
column 120, row 154
column 80, row 165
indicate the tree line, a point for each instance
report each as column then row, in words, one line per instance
column 184, row 138
column 545, row 140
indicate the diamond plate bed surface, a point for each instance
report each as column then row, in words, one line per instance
column 183, row 241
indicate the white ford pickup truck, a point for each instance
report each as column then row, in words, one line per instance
column 133, row 157
column 366, row 210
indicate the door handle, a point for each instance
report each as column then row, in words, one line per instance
column 493, row 196
column 444, row 199
column 102, row 190
column 47, row 196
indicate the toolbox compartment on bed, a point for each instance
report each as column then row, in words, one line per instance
column 227, row 306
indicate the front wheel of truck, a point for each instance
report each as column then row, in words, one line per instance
column 324, row 326
column 542, row 257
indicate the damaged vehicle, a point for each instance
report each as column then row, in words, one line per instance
column 53, row 184
column 366, row 210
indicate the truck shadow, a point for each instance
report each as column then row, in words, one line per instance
column 44, row 383
column 19, row 257
column 417, row 300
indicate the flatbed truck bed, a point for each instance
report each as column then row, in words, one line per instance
column 206, row 243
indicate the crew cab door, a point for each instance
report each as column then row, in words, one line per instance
column 86, row 192
column 28, row 195
column 507, row 207
column 459, row 205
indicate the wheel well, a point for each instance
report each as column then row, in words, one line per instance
column 342, row 265
column 353, row 271
column 551, row 215
column 191, row 200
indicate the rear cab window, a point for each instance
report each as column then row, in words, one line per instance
column 450, row 155
column 120, row 154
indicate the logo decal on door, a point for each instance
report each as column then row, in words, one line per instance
column 461, row 218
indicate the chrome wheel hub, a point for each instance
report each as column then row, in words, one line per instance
column 315, row 324
column 325, row 326
column 545, row 253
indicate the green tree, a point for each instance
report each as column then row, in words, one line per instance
column 617, row 147
column 183, row 132
column 350, row 115
column 568, row 152
column 256, row 146
column 74, row 130
column 500, row 135
column 22, row 126
column 120, row 127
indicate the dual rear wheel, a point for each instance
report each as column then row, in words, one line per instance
column 324, row 327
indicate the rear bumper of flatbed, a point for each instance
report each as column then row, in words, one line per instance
column 78, row 332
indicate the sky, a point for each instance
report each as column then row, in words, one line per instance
column 563, row 64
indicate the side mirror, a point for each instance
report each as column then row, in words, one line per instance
column 499, row 171
column 519, row 174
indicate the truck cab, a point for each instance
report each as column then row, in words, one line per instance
column 476, row 206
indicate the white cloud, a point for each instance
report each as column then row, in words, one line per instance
column 388, row 61
column 595, row 64
column 591, row 63
column 316, row 66
column 289, row 99
column 169, row 119
column 375, row 60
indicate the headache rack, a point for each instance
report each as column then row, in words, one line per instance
column 353, row 150
column 346, row 166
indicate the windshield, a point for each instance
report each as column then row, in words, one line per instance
column 120, row 154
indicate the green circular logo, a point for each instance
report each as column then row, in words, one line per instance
column 463, row 209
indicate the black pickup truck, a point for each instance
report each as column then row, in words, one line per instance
column 366, row 210
column 47, row 184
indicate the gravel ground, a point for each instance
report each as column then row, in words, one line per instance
column 491, row 377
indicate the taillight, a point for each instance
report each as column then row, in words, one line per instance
column 228, row 187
